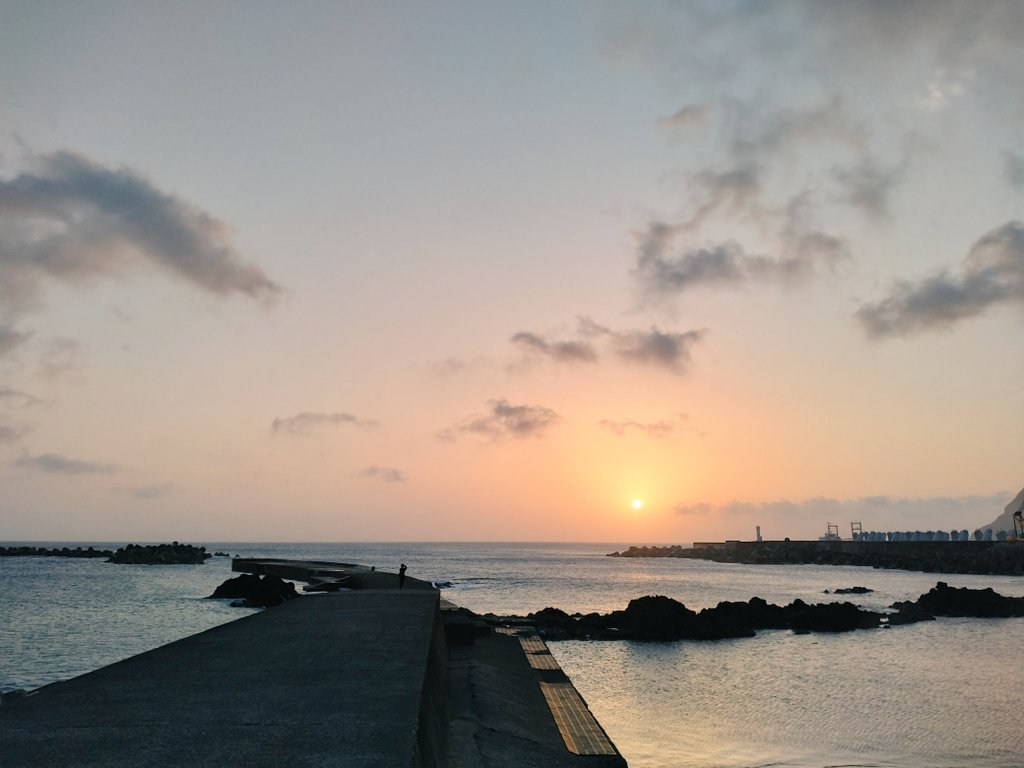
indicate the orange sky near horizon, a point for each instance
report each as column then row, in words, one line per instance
column 493, row 272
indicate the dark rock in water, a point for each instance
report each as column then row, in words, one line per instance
column 944, row 600
column 160, row 554
column 655, row 618
column 908, row 613
column 830, row 617
column 851, row 591
column 256, row 592
column 661, row 618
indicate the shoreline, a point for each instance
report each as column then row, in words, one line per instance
column 980, row 558
column 663, row 619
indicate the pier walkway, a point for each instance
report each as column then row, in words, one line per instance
column 365, row 677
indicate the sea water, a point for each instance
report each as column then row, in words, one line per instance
column 943, row 694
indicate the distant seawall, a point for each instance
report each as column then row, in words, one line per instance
column 974, row 557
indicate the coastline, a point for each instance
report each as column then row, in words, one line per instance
column 983, row 558
column 898, row 697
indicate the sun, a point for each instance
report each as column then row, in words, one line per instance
column 637, row 503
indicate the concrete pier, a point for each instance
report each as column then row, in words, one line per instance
column 363, row 677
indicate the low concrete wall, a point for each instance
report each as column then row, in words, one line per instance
column 435, row 706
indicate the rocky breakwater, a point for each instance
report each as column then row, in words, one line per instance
column 160, row 554
column 660, row 618
column 28, row 551
column 975, row 557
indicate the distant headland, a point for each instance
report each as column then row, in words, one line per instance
column 1002, row 558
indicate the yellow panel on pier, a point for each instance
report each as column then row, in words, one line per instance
column 582, row 733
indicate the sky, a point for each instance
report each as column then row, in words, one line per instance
column 399, row 271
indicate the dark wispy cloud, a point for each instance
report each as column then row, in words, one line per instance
column 656, row 347
column 670, row 262
column 14, row 398
column 61, row 357
column 151, row 492
column 733, row 191
column 662, row 272
column 664, row 349
column 992, row 275
column 306, row 423
column 868, row 185
column 11, row 338
column 386, row 474
column 804, row 247
column 657, row 430
column 71, row 220
column 504, row 420
column 10, row 434
column 792, row 129
column 572, row 351
column 55, row 464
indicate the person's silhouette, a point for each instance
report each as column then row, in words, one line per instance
column 401, row 576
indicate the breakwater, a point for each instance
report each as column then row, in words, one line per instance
column 359, row 676
column 131, row 554
column 968, row 557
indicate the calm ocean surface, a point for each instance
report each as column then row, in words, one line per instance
column 944, row 694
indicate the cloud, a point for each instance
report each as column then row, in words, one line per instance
column 661, row 273
column 992, row 275
column 657, row 430
column 17, row 399
column 305, row 423
column 561, row 351
column 387, row 474
column 504, row 420
column 151, row 492
column 868, row 186
column 655, row 347
column 10, row 338
column 663, row 349
column 60, row 357
column 691, row 119
column 693, row 510
column 9, row 434
column 814, row 124
column 55, row 464
column 1013, row 169
column 669, row 263
column 944, row 88
column 72, row 220
column 733, row 191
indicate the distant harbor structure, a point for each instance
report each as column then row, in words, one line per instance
column 857, row 533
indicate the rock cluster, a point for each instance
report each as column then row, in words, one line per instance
column 251, row 591
column 660, row 618
column 160, row 554
column 944, row 600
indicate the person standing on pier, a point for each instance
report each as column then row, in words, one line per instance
column 401, row 576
